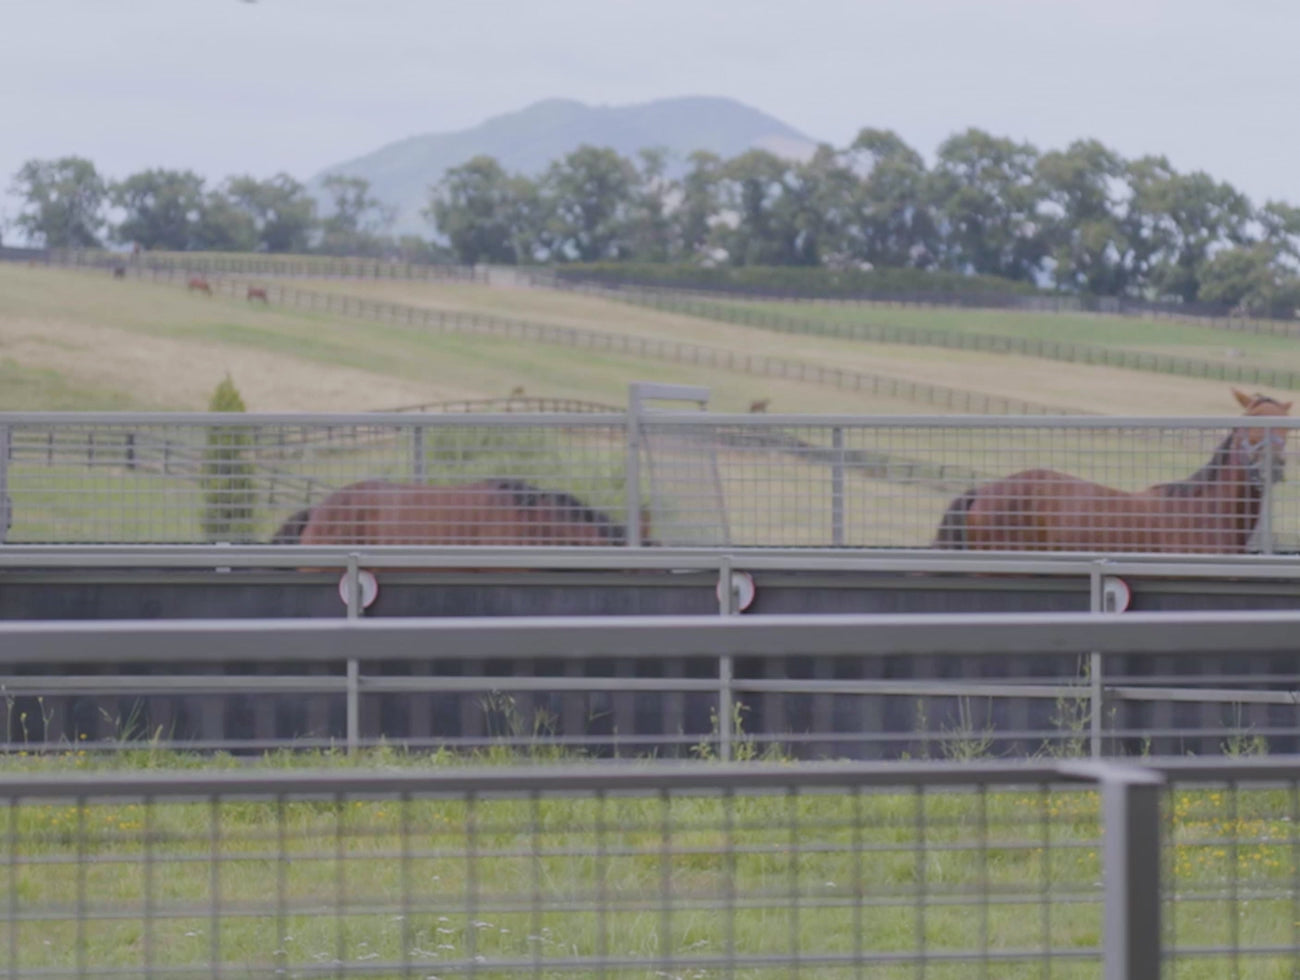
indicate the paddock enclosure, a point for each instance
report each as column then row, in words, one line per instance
column 135, row 517
column 698, row 478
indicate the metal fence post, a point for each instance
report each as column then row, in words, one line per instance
column 6, row 504
column 726, row 607
column 632, row 468
column 1097, row 689
column 837, row 486
column 419, row 465
column 1266, row 503
column 353, row 710
column 1131, row 939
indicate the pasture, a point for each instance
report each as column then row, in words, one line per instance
column 74, row 337
column 1082, row 387
column 1157, row 336
column 77, row 340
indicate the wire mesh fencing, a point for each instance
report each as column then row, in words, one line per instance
column 704, row 871
column 1115, row 485
column 1181, row 867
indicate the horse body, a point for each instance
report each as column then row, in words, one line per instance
column 258, row 292
column 1215, row 510
column 490, row 512
column 198, row 284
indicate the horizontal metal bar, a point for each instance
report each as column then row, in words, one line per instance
column 974, row 689
column 673, row 417
column 110, row 684
column 478, row 638
column 1201, row 695
column 116, row 684
column 493, row 780
column 453, row 557
column 315, row 420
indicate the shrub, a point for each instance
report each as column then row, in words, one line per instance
column 227, row 473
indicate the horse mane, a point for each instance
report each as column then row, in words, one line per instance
column 290, row 531
column 1193, row 485
column 527, row 495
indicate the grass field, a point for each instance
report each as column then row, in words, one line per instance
column 69, row 337
column 1087, row 388
column 1119, row 332
column 76, row 340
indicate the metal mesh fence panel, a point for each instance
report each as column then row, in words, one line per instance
column 239, row 480
column 1231, row 872
column 1186, row 486
column 613, row 874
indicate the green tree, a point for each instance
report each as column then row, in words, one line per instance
column 282, row 211
column 478, row 207
column 588, row 194
column 1090, row 250
column 1176, row 221
column 229, row 496
column 888, row 222
column 647, row 234
column 987, row 197
column 1280, row 223
column 697, row 211
column 224, row 226
column 767, row 214
column 163, row 209
column 63, row 202
column 1251, row 279
column 359, row 221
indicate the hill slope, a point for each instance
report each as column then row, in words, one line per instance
column 528, row 140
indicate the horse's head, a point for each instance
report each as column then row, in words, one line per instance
column 1263, row 450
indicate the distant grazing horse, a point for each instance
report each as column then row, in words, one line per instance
column 760, row 405
column 198, row 284
column 258, row 292
column 1216, row 509
column 119, row 272
column 490, row 512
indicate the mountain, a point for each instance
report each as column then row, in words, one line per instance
column 528, row 140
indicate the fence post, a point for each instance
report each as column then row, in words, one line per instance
column 1266, row 502
column 837, row 486
column 354, row 667
column 726, row 607
column 1130, row 800
column 1097, row 687
column 6, row 504
column 632, row 469
column 419, row 466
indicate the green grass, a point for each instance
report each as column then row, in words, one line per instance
column 307, row 883
column 21, row 388
column 1153, row 345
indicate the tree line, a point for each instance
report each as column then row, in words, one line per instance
column 1083, row 220
column 69, row 204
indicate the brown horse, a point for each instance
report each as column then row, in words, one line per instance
column 491, row 512
column 1214, row 510
column 198, row 284
column 258, row 292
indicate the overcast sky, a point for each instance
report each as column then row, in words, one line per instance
column 227, row 86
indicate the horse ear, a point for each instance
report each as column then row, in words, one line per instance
column 1244, row 399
